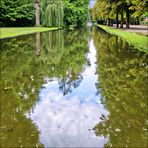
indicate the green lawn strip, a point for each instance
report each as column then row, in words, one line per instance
column 6, row 32
column 139, row 42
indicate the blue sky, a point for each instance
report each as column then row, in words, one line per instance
column 92, row 2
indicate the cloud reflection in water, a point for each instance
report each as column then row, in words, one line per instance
column 67, row 121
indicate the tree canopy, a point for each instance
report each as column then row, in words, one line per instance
column 110, row 9
column 17, row 12
column 53, row 12
column 75, row 12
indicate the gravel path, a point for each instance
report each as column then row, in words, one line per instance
column 136, row 28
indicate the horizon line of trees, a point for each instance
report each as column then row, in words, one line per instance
column 129, row 11
column 50, row 12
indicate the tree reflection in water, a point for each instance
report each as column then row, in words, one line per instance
column 123, row 81
column 18, row 93
column 27, row 63
column 62, row 56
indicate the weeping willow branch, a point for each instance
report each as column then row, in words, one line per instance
column 52, row 13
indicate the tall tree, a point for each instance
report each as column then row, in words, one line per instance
column 102, row 10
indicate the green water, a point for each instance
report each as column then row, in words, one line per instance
column 80, row 88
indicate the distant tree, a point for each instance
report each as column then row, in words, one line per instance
column 76, row 12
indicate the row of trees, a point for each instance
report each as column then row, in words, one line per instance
column 52, row 12
column 109, row 10
column 64, row 12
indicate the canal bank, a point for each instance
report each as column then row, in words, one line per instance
column 139, row 42
column 7, row 32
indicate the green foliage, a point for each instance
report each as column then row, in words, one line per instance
column 55, row 13
column 105, row 9
column 52, row 13
column 139, row 7
column 16, row 12
column 76, row 12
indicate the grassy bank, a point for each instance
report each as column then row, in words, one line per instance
column 139, row 42
column 6, row 32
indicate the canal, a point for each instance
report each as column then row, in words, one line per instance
column 79, row 88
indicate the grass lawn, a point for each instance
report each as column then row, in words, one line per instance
column 6, row 32
column 139, row 42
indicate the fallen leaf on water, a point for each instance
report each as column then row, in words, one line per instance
column 7, row 88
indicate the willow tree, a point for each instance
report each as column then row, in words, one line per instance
column 52, row 13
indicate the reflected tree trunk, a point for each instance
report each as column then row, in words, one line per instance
column 38, row 44
column 126, row 47
column 121, row 48
column 117, row 47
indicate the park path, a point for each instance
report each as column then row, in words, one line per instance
column 141, row 29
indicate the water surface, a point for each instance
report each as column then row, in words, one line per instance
column 81, row 88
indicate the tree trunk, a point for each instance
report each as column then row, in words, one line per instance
column 111, row 22
column 127, row 18
column 117, row 20
column 122, row 20
column 108, row 22
column 37, row 13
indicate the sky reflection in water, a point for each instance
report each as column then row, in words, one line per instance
column 68, row 120
column 63, row 88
